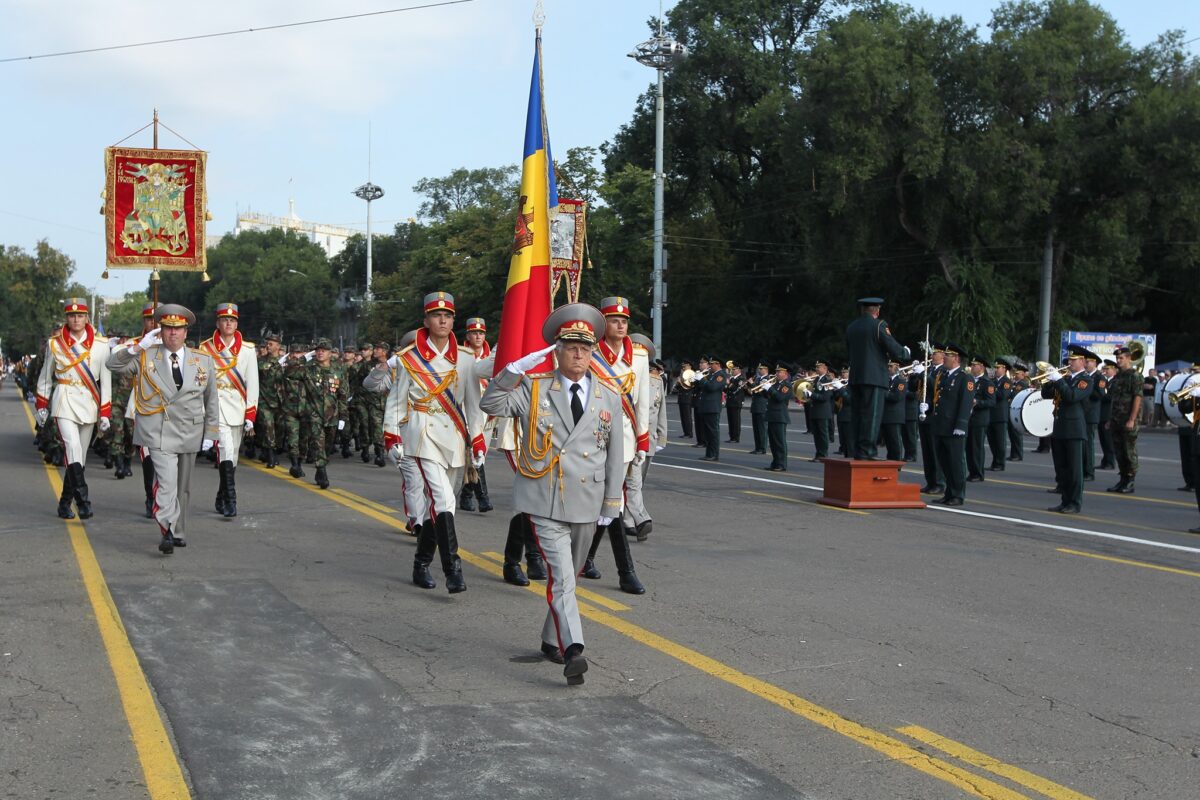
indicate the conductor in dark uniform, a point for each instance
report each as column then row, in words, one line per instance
column 869, row 341
column 953, row 397
column 710, row 388
column 1067, row 439
column 779, row 396
column 981, row 418
column 997, row 432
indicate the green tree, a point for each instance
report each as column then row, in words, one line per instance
column 32, row 289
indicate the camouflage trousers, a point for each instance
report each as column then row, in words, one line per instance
column 324, row 441
column 1125, row 449
column 264, row 427
column 121, row 433
column 299, row 433
column 372, row 425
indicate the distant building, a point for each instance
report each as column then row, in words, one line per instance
column 330, row 238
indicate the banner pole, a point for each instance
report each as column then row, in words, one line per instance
column 156, row 129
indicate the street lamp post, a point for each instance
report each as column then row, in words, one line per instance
column 369, row 191
column 661, row 54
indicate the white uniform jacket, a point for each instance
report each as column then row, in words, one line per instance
column 566, row 472
column 433, row 406
column 169, row 419
column 236, row 363
column 77, row 375
column 628, row 373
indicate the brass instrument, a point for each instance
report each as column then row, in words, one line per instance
column 802, row 388
column 729, row 364
column 690, row 376
column 1137, row 354
column 1045, row 370
column 762, row 386
column 1175, row 398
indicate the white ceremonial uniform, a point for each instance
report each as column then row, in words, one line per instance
column 236, row 364
column 433, row 411
column 171, row 423
column 76, row 373
column 628, row 372
column 568, row 476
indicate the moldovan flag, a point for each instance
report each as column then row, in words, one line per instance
column 527, row 296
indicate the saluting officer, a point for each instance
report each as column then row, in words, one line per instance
column 953, row 398
column 475, row 338
column 997, row 432
column 237, row 387
column 1070, row 428
column 869, row 341
column 75, row 372
column 981, row 418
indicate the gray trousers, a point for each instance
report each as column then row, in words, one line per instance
column 564, row 548
column 172, row 489
column 635, row 512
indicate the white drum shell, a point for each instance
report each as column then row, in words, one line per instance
column 1032, row 414
column 1174, row 384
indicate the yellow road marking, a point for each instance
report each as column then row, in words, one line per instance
column 1128, row 562
column 587, row 594
column 1056, row 515
column 984, row 761
column 893, row 748
column 805, row 502
column 160, row 767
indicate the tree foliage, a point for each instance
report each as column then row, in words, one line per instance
column 32, row 289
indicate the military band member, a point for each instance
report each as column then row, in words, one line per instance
column 997, row 432
column 870, row 342
column 820, row 405
column 476, row 341
column 935, row 480
column 432, row 415
column 75, row 372
column 1070, row 394
column 1091, row 412
column 909, row 433
column 236, row 375
column 1016, row 439
column 981, row 418
column 697, row 419
column 758, row 410
column 711, row 389
column 893, row 412
column 953, row 398
column 735, row 395
column 571, row 464
column 1125, row 393
column 624, row 366
column 684, row 398
column 177, row 413
column 1107, row 459
column 843, row 414
column 779, row 398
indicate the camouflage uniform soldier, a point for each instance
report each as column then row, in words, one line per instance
column 326, row 394
column 270, row 397
column 122, row 426
column 295, row 405
column 1125, row 390
column 372, row 408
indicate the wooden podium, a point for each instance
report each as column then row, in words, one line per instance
column 868, row 484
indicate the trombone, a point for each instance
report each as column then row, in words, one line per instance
column 1045, row 370
column 762, row 386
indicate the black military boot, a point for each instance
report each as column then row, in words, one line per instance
column 466, row 498
column 118, row 467
column 534, row 565
column 230, row 489
column 322, row 478
column 1128, row 488
column 148, row 485
column 513, row 546
column 248, row 449
column 79, row 488
column 346, row 447
column 166, row 545
column 1120, row 485
column 379, row 460
column 296, row 471
column 426, row 544
column 447, row 542
column 481, row 492
column 222, row 487
column 366, row 455
column 589, row 565
column 270, row 458
column 620, row 547
column 64, row 499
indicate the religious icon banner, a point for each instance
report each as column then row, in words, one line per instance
column 568, row 234
column 155, row 208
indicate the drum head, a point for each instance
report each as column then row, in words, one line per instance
column 1175, row 384
column 1032, row 414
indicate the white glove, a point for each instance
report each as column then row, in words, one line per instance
column 924, row 408
column 959, row 432
column 392, row 363
column 1195, row 392
column 248, row 427
column 478, row 461
column 1054, row 376
column 309, row 355
column 281, row 360
column 658, row 448
column 396, row 452
column 526, row 363
column 152, row 338
column 42, row 414
column 639, row 458
column 917, row 368
column 341, row 424
column 604, row 522
column 105, row 423
column 208, row 444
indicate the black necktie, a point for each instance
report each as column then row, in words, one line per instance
column 576, row 403
column 176, row 372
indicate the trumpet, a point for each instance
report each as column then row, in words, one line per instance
column 762, row 386
column 1045, row 370
column 1190, row 385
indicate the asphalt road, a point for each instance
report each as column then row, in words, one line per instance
column 784, row 648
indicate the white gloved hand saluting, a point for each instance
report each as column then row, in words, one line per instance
column 105, row 423
column 309, row 355
column 151, row 338
column 526, row 363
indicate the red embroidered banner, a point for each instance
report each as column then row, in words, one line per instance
column 154, row 208
column 568, row 234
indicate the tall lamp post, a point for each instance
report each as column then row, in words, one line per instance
column 661, row 54
column 369, row 191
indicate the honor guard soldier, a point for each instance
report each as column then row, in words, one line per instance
column 432, row 415
column 981, row 418
column 683, row 395
column 476, row 341
column 758, row 408
column 820, row 417
column 236, row 366
column 1070, row 394
column 1125, row 392
column 779, row 398
column 892, row 422
column 177, row 413
column 935, row 480
column 869, row 341
column 270, row 397
column 1016, row 439
column 953, row 398
column 74, row 370
column 1091, row 412
column 624, row 367
column 997, row 432
column 735, row 395
column 1104, row 434
column 711, row 389
column 570, row 466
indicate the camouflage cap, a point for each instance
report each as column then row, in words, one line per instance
column 322, row 344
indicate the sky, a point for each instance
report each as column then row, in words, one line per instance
column 287, row 114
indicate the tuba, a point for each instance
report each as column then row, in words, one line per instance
column 1137, row 354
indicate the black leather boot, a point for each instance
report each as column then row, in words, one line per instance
column 119, row 466
column 270, row 458
column 64, row 499
column 346, row 447
column 79, row 488
column 166, row 545
column 366, row 455
column 1128, row 488
column 296, row 471
column 513, row 547
column 481, row 492
column 620, row 547
column 230, row 489
column 223, row 470
column 148, row 485
column 379, row 459
column 426, row 544
column 322, row 478
column 466, row 498
column 534, row 565
column 1119, row 486
column 447, row 542
column 589, row 570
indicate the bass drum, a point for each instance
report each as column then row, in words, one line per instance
column 1176, row 384
column 1032, row 414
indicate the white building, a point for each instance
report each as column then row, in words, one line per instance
column 330, row 238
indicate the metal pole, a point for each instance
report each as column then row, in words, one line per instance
column 657, row 302
column 368, row 292
column 1043, row 343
